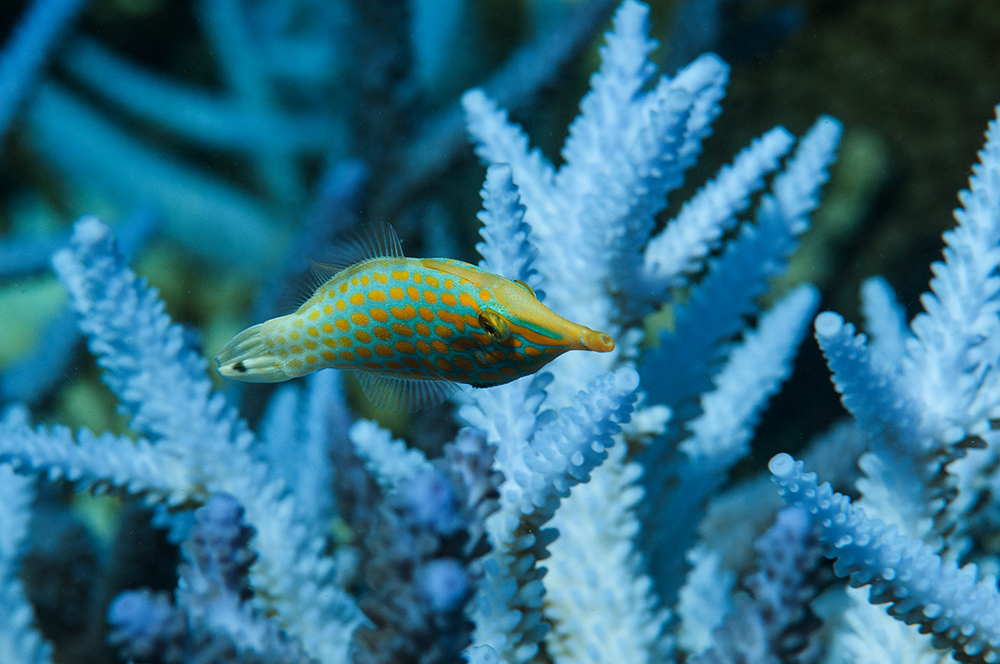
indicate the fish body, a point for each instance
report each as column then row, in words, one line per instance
column 412, row 328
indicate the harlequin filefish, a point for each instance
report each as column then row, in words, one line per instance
column 412, row 329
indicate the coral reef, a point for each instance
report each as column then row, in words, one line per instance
column 587, row 513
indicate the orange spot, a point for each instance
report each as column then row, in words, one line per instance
column 467, row 301
column 427, row 364
column 424, row 347
column 395, row 366
column 396, row 293
column 357, row 299
column 365, row 280
column 380, row 277
column 463, row 363
column 402, row 330
column 330, row 342
column 282, row 352
column 295, row 364
column 431, row 297
column 297, row 349
column 432, row 281
column 439, row 346
column 463, row 377
column 331, row 293
column 354, row 281
column 362, row 336
column 418, row 278
column 298, row 322
column 460, row 345
column 400, row 275
column 445, row 365
column 472, row 320
column 448, row 283
column 312, row 359
column 531, row 351
column 426, row 314
column 281, row 340
column 411, row 362
column 381, row 315
column 382, row 333
column 310, row 344
column 510, row 372
column 383, row 350
column 327, row 328
column 359, row 319
column 346, row 342
column 341, row 305
column 343, row 287
column 483, row 339
column 403, row 313
column 454, row 319
column 449, row 299
column 376, row 296
column 364, row 352
column 313, row 315
column 517, row 357
column 371, row 365
column 422, row 329
column 313, row 332
column 413, row 293
column 328, row 310
column 347, row 356
column 404, row 346
column 328, row 356
column 443, row 331
column 490, row 376
column 342, row 324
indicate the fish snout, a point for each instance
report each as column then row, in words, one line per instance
column 600, row 342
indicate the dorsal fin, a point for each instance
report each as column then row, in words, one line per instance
column 376, row 240
column 356, row 245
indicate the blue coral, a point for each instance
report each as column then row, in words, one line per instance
column 925, row 395
column 565, row 522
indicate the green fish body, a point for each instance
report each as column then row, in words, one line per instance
column 412, row 329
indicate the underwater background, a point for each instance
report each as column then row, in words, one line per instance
column 225, row 142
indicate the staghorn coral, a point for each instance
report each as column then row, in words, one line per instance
column 567, row 541
column 927, row 397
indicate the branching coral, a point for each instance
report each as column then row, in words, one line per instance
column 924, row 394
column 524, row 538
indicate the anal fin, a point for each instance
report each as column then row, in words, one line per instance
column 404, row 395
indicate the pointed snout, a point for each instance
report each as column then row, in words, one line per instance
column 597, row 341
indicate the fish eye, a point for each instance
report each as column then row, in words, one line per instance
column 495, row 325
column 526, row 287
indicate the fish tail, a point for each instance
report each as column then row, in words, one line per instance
column 246, row 357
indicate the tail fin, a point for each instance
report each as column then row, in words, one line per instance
column 246, row 358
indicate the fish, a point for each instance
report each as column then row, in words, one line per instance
column 413, row 330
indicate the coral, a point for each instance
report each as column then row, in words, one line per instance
column 19, row 642
column 926, row 396
column 920, row 587
column 212, row 620
column 555, row 527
